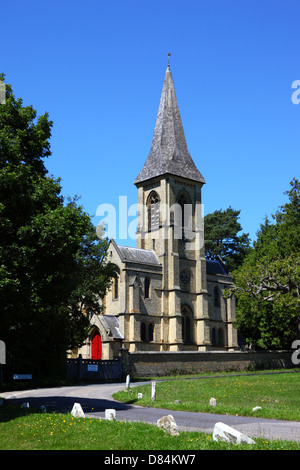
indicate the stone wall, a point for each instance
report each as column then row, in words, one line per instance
column 147, row 364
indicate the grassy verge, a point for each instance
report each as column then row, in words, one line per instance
column 276, row 394
column 21, row 429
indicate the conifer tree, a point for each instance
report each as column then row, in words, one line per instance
column 268, row 282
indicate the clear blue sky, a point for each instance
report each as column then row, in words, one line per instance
column 98, row 67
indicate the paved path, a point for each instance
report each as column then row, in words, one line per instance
column 94, row 399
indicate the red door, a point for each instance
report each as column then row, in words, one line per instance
column 96, row 346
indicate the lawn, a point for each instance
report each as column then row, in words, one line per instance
column 277, row 394
column 22, row 429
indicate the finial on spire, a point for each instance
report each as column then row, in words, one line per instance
column 168, row 59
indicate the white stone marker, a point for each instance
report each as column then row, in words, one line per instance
column 77, row 411
column 153, row 390
column 256, row 408
column 223, row 432
column 110, row 414
column 168, row 424
column 127, row 382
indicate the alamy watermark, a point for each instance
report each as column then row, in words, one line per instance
column 296, row 94
column 296, row 353
column 183, row 222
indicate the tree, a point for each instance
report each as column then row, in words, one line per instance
column 268, row 283
column 51, row 260
column 221, row 229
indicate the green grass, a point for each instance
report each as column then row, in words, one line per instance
column 277, row 394
column 22, row 429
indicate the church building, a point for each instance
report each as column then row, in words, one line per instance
column 165, row 296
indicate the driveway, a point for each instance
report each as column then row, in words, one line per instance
column 94, row 399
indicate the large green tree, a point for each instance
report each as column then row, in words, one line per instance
column 223, row 237
column 268, row 282
column 52, row 264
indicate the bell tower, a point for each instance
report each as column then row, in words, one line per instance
column 170, row 223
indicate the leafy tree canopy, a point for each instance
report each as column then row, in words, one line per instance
column 52, row 264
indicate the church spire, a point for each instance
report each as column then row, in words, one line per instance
column 169, row 153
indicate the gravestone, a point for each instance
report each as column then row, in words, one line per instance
column 110, row 414
column 77, row 411
column 168, row 424
column 223, row 432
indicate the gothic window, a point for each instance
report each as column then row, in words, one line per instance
column 217, row 297
column 184, row 202
column 213, row 337
column 115, row 283
column 153, row 211
column 217, row 337
column 147, row 288
column 143, row 332
column 147, row 332
column 115, row 287
column 151, row 331
column 220, row 337
column 187, row 316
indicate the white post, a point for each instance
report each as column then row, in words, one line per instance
column 110, row 414
column 127, row 382
column 153, row 386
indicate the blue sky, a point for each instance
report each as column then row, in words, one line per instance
column 97, row 67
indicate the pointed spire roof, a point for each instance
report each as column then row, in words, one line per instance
column 169, row 153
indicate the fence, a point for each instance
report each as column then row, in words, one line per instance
column 94, row 370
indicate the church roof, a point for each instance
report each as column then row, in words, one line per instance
column 215, row 266
column 111, row 325
column 136, row 255
column 169, row 153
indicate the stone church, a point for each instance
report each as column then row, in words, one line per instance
column 165, row 296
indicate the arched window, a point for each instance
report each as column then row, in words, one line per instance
column 151, row 331
column 153, row 211
column 115, row 287
column 187, row 316
column 216, row 296
column 185, row 204
column 147, row 288
column 115, row 283
column 143, row 332
column 213, row 337
column 220, row 337
column 147, row 332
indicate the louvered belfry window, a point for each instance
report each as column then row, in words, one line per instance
column 153, row 211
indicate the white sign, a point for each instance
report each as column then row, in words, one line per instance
column 22, row 376
column 92, row 368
